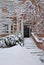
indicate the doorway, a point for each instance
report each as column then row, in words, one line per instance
column 26, row 30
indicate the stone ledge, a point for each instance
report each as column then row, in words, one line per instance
column 38, row 42
column 3, row 35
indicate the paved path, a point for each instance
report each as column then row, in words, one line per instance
column 31, row 46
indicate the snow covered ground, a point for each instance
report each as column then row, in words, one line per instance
column 18, row 55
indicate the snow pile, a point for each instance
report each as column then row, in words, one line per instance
column 18, row 56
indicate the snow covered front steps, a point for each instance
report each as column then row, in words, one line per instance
column 29, row 43
column 31, row 46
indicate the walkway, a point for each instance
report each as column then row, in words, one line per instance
column 30, row 45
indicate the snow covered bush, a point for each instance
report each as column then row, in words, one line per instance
column 21, row 39
column 10, row 41
column 2, row 43
column 17, row 39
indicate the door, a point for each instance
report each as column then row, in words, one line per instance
column 26, row 31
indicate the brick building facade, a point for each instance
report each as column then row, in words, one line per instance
column 23, row 16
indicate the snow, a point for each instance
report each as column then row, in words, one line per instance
column 30, row 45
column 18, row 55
column 2, row 43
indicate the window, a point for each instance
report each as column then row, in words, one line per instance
column 5, row 28
column 11, row 28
